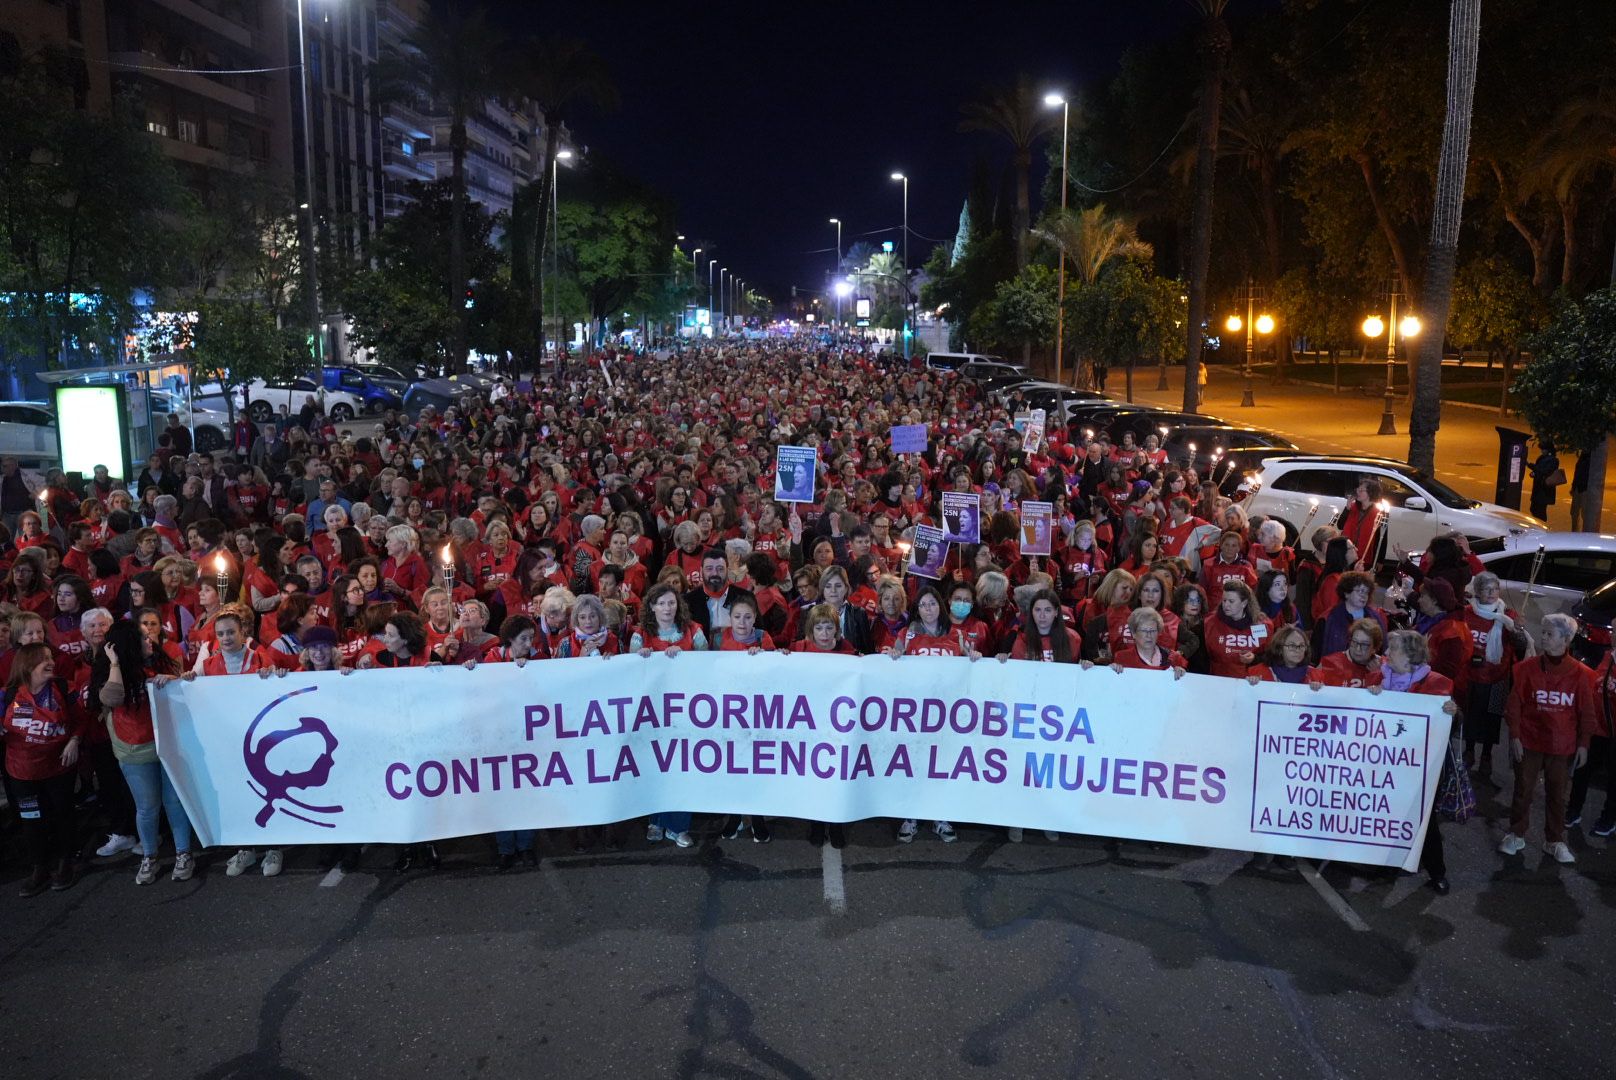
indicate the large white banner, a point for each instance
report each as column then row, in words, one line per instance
column 423, row 753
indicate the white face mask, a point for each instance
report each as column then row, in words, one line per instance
column 1085, row 540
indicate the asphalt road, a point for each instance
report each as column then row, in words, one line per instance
column 1086, row 957
column 1319, row 421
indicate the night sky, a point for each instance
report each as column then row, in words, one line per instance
column 764, row 120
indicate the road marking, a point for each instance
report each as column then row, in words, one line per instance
column 1330, row 896
column 333, row 878
column 835, row 888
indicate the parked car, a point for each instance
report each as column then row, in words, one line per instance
column 1595, row 613
column 438, row 393
column 983, row 370
column 28, row 433
column 1573, row 565
column 390, row 377
column 374, row 396
column 1198, row 442
column 1420, row 507
column 208, row 420
column 953, row 361
column 343, row 399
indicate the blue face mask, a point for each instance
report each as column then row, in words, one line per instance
column 960, row 609
column 418, row 462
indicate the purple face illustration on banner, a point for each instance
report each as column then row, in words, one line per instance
column 308, row 736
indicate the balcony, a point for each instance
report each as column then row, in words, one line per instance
column 224, row 27
column 406, row 166
column 406, row 118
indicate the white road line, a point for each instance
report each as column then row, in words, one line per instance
column 1330, row 896
column 835, row 887
column 333, row 878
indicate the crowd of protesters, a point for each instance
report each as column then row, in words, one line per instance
column 627, row 507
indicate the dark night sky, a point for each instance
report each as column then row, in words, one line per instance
column 764, row 120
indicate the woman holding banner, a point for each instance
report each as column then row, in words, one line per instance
column 929, row 634
column 1408, row 669
column 666, row 627
column 1235, row 631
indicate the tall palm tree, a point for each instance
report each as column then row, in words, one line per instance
column 557, row 74
column 452, row 57
column 1018, row 114
column 1464, row 40
column 1214, row 44
column 1091, row 238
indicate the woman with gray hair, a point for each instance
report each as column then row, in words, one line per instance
column 1408, row 668
column 1499, row 636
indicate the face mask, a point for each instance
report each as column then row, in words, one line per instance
column 959, row 609
column 418, row 462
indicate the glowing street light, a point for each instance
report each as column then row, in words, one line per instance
column 1253, row 324
column 1373, row 327
column 1265, row 324
column 1410, row 326
column 1234, row 324
column 1058, row 101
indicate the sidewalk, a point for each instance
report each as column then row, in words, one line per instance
column 1318, row 421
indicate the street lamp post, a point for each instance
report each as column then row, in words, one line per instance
column 555, row 243
column 838, row 267
column 723, row 301
column 1254, row 324
column 310, row 261
column 1407, row 327
column 710, row 264
column 1052, row 100
column 908, row 306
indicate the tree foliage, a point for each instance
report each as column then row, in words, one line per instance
column 87, row 211
column 1495, row 306
column 400, row 305
column 1127, row 313
column 1568, row 391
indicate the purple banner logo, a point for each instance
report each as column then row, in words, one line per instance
column 275, row 786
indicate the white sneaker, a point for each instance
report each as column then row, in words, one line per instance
column 944, row 831
column 147, row 872
column 1511, row 844
column 116, row 844
column 653, row 833
column 684, row 839
column 906, row 831
column 1051, row 835
column 184, row 866
column 272, row 862
column 239, row 862
column 1561, row 853
column 1015, row 834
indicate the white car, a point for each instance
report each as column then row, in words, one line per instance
column 264, row 399
column 1573, row 563
column 28, row 433
column 209, row 422
column 1307, row 491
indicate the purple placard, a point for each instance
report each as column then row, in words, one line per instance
column 962, row 517
column 927, row 555
column 909, row 439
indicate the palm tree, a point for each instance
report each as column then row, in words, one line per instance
column 1091, row 238
column 1214, row 45
column 1464, row 40
column 557, row 74
column 452, row 57
column 1017, row 114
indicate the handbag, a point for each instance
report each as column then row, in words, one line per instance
column 1455, row 798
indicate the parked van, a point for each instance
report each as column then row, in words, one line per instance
column 953, row 361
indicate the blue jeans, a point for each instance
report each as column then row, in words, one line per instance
column 154, row 793
column 673, row 823
column 512, row 841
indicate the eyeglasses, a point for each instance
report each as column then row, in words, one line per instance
column 1367, row 643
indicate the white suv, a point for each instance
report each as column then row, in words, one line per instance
column 1421, row 506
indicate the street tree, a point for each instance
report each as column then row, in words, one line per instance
column 558, row 74
column 87, row 210
column 1464, row 39
column 1017, row 114
column 399, row 300
column 455, row 57
column 1214, row 44
column 1568, row 391
column 1126, row 314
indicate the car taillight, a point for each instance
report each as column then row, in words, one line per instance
column 1597, row 635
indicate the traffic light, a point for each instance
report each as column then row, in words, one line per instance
column 471, row 298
